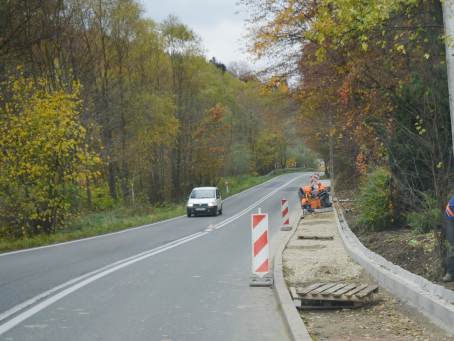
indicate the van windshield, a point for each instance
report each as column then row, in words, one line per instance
column 203, row 193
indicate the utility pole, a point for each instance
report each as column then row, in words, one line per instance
column 448, row 18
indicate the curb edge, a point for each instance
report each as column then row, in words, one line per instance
column 295, row 323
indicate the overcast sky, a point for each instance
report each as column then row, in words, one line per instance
column 219, row 23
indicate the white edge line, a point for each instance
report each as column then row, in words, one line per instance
column 47, row 302
column 227, row 221
column 82, row 281
column 88, row 238
column 130, row 229
column 49, row 292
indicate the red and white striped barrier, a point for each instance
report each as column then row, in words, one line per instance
column 260, row 245
column 285, row 216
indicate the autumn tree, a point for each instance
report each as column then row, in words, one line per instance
column 45, row 156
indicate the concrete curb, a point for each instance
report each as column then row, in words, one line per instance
column 433, row 300
column 295, row 324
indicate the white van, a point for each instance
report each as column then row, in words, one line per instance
column 204, row 200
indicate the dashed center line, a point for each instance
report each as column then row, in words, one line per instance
column 38, row 303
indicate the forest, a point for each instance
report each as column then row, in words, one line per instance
column 101, row 107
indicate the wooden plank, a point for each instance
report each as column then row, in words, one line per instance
column 333, row 289
column 316, row 237
column 322, row 288
column 309, row 288
column 320, row 297
column 355, row 305
column 367, row 291
column 357, row 289
column 293, row 292
column 344, row 290
column 325, row 305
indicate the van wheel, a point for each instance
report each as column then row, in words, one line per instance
column 220, row 211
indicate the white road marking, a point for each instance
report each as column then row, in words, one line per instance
column 247, row 209
column 47, row 302
column 39, row 326
column 49, row 292
column 122, row 231
column 89, row 238
column 45, row 299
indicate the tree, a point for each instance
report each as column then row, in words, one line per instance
column 211, row 147
column 45, row 158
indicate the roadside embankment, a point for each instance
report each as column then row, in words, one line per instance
column 310, row 261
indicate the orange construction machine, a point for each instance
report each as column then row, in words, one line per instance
column 314, row 196
column 309, row 201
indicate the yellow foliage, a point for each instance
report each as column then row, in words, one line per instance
column 44, row 155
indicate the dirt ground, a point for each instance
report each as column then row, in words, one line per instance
column 416, row 253
column 309, row 261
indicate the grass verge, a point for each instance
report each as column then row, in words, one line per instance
column 93, row 224
column 97, row 223
column 240, row 183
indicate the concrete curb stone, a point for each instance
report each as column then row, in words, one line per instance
column 295, row 324
column 433, row 300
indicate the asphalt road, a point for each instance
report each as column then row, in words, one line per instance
column 182, row 279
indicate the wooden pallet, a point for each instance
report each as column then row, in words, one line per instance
column 333, row 295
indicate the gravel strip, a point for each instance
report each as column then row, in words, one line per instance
column 309, row 261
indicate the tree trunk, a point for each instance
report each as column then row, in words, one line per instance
column 112, row 181
column 88, row 190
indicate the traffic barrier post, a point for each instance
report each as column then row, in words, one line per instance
column 285, row 216
column 261, row 276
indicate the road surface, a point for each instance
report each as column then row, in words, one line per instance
column 181, row 279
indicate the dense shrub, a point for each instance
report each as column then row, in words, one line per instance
column 375, row 201
column 101, row 198
column 427, row 218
